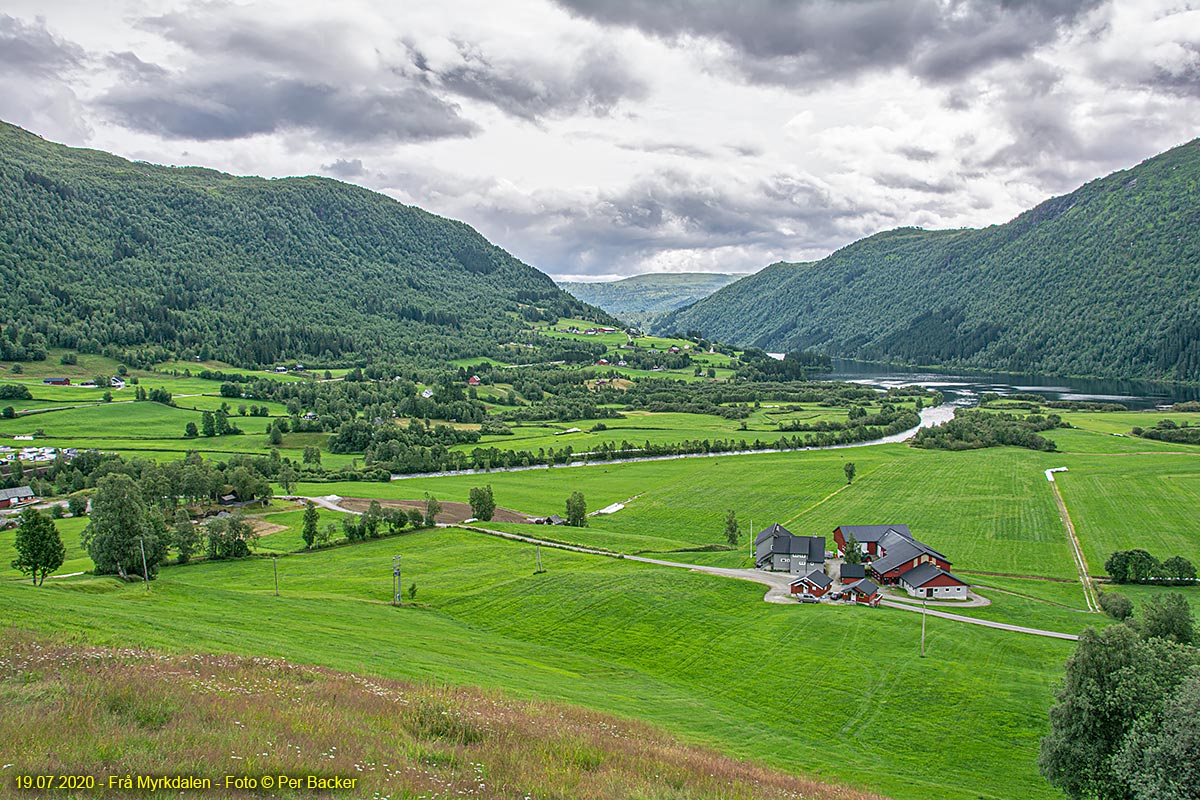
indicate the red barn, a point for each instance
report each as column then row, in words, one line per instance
column 57, row 381
column 867, row 536
column 473, row 380
column 934, row 583
column 897, row 555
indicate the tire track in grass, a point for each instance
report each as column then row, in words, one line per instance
column 839, row 490
column 1089, row 591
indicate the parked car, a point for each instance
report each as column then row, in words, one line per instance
column 808, row 598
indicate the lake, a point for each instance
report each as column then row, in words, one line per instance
column 964, row 388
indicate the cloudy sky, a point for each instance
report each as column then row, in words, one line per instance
column 599, row 138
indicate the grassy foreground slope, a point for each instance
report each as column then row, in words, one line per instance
column 1100, row 281
column 137, row 712
column 838, row 692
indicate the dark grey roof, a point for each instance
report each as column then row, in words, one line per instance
column 901, row 552
column 555, row 519
column 864, row 586
column 873, row 533
column 12, row 494
column 896, row 556
column 817, row 578
column 919, row 576
column 853, row 572
column 812, row 547
column 771, row 532
column 891, row 539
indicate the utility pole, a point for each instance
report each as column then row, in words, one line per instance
column 275, row 568
column 922, row 627
column 539, row 559
column 396, row 580
column 145, row 571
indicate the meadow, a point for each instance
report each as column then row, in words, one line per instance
column 987, row 510
column 701, row 656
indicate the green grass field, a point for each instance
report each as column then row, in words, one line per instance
column 1121, row 502
column 702, row 656
column 987, row 510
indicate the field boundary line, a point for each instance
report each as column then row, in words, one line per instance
column 1089, row 591
column 987, row 623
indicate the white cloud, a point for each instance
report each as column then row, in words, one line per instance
column 604, row 140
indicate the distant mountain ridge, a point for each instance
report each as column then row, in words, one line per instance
column 142, row 262
column 1104, row 281
column 642, row 297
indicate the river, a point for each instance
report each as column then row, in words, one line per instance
column 958, row 388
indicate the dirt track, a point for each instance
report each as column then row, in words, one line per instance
column 451, row 512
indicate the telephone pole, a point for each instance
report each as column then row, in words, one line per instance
column 396, row 580
column 922, row 627
column 275, row 568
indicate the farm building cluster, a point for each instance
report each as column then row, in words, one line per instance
column 888, row 555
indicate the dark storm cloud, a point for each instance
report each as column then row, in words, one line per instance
column 800, row 42
column 893, row 180
column 593, row 82
column 346, row 168
column 752, row 222
column 30, row 49
column 132, row 67
column 181, row 106
column 915, row 153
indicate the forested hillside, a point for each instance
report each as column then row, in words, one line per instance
column 139, row 261
column 644, row 295
column 1103, row 281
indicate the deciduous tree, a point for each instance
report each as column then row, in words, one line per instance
column 732, row 533
column 432, row 509
column 577, row 510
column 39, row 548
column 120, row 528
column 311, row 519
column 483, row 502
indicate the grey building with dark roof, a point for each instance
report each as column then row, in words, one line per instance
column 779, row 550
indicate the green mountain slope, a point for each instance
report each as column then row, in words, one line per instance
column 1104, row 281
column 649, row 293
column 139, row 261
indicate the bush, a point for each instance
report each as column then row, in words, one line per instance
column 1117, row 606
